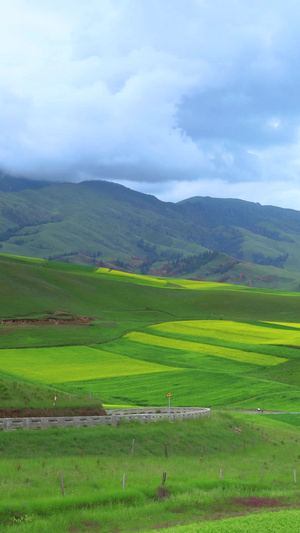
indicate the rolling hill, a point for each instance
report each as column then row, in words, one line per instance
column 94, row 335
column 109, row 225
column 128, row 339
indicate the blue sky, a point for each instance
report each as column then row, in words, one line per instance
column 176, row 98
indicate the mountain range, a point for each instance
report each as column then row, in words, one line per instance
column 105, row 224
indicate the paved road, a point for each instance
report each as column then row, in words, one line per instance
column 264, row 412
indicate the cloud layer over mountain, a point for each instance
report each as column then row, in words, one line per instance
column 172, row 97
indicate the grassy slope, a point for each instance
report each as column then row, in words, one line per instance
column 106, row 221
column 94, row 217
column 31, row 287
column 248, row 274
column 30, row 462
column 197, row 450
column 120, row 304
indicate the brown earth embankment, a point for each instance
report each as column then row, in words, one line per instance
column 29, row 412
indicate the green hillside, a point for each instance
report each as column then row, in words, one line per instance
column 94, row 335
column 92, row 219
column 105, row 224
column 264, row 235
column 128, row 339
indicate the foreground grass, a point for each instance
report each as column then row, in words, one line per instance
column 287, row 521
column 257, row 455
column 182, row 509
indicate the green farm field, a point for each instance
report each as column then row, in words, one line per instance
column 209, row 344
column 230, row 348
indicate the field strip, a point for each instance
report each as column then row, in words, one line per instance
column 200, row 285
column 34, row 260
column 285, row 324
column 207, row 349
column 232, row 331
column 72, row 363
column 145, row 280
column 170, row 283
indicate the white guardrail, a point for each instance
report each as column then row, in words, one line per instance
column 144, row 415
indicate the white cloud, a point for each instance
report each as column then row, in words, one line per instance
column 195, row 95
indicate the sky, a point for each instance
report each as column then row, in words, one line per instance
column 175, row 98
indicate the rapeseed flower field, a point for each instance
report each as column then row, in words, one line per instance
column 241, row 332
column 72, row 363
column 217, row 351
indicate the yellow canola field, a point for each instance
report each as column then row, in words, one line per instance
column 145, row 279
column 289, row 324
column 171, row 283
column 72, row 363
column 206, row 349
column 231, row 331
column 196, row 285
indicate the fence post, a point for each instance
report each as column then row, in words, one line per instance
column 62, row 482
column 262, row 472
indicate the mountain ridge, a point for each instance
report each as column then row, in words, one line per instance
column 104, row 223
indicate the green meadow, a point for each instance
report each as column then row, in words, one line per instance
column 209, row 344
column 230, row 348
column 218, row 468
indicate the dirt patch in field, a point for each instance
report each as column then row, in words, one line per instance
column 58, row 319
column 55, row 411
column 256, row 502
column 247, row 505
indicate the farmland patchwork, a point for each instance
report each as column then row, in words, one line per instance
column 202, row 362
column 97, row 336
column 218, row 351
